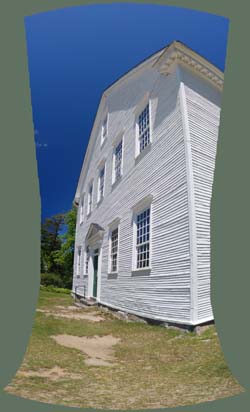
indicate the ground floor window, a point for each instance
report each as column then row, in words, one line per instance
column 78, row 264
column 143, row 239
column 114, row 250
column 86, row 271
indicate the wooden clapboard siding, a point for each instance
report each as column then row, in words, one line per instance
column 174, row 289
column 165, row 292
column 203, row 105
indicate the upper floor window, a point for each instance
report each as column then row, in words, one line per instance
column 118, row 161
column 101, row 183
column 90, row 198
column 114, row 250
column 104, row 129
column 143, row 129
column 82, row 210
column 143, row 239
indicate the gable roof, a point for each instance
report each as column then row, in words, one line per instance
column 164, row 60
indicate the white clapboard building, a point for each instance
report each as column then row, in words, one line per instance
column 143, row 226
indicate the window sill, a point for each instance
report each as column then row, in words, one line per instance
column 112, row 275
column 103, row 142
column 141, row 272
column 143, row 153
column 116, row 182
column 100, row 201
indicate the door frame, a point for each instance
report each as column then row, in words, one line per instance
column 96, row 254
column 94, row 243
column 92, row 249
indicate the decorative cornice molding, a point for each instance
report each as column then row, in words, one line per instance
column 118, row 138
column 101, row 163
column 145, row 202
column 114, row 223
column 177, row 53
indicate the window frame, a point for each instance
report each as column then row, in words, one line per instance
column 78, row 262
column 114, row 177
column 115, row 225
column 139, row 208
column 90, row 209
column 100, row 169
column 104, row 127
column 140, row 109
column 81, row 214
column 86, row 260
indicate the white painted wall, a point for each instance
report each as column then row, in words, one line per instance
column 203, row 105
column 164, row 293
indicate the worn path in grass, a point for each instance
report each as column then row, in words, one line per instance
column 88, row 358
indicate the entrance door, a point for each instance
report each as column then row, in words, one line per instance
column 95, row 264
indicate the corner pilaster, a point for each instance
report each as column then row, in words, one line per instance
column 191, row 205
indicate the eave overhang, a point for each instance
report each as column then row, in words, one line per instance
column 178, row 53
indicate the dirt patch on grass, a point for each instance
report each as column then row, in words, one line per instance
column 99, row 349
column 53, row 374
column 92, row 317
column 151, row 366
column 71, row 307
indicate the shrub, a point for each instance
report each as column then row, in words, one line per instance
column 51, row 288
column 53, row 279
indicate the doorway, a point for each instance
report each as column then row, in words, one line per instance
column 95, row 267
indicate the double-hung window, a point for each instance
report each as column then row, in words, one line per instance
column 114, row 239
column 82, row 210
column 104, row 129
column 144, row 129
column 90, row 198
column 143, row 239
column 101, row 183
column 118, row 160
column 78, row 263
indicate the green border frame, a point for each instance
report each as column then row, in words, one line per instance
column 20, row 201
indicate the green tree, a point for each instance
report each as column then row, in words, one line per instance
column 51, row 242
column 64, row 257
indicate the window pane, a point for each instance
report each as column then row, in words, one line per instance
column 118, row 160
column 143, row 239
column 101, row 183
column 105, row 128
column 78, row 269
column 114, row 250
column 87, row 261
column 82, row 210
column 90, row 198
column 144, row 128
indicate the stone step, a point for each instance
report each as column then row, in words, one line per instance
column 88, row 302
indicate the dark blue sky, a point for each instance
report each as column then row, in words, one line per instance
column 75, row 53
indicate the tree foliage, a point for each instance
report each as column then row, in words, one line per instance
column 57, row 248
column 64, row 257
column 51, row 242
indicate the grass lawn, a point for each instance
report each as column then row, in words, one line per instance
column 152, row 366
